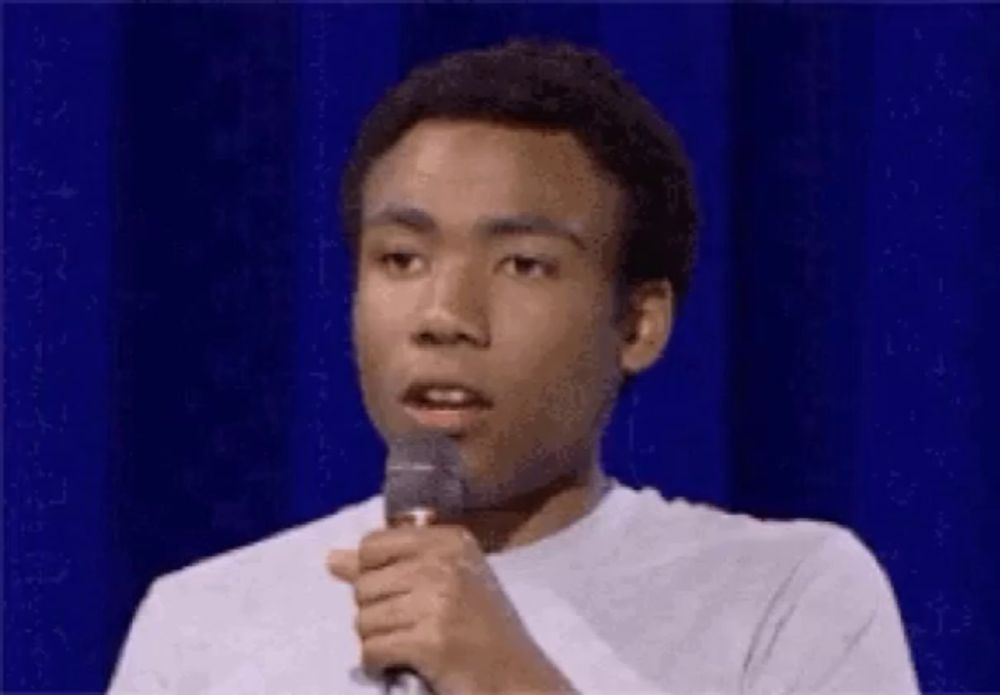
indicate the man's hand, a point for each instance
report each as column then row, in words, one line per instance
column 428, row 600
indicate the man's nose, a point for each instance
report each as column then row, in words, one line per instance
column 453, row 309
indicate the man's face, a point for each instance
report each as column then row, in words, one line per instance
column 485, row 305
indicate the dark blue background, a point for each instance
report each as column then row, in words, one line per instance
column 178, row 376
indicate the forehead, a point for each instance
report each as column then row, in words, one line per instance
column 458, row 171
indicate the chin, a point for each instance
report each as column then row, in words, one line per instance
column 485, row 491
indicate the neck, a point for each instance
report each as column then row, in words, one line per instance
column 542, row 512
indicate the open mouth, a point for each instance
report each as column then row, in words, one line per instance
column 449, row 407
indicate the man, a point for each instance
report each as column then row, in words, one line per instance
column 523, row 225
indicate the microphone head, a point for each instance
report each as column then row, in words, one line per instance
column 423, row 472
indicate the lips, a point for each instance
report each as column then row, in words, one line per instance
column 447, row 394
column 450, row 406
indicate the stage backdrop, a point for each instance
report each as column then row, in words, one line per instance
column 178, row 374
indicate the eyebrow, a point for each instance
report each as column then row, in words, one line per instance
column 420, row 221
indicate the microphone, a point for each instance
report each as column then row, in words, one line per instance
column 423, row 486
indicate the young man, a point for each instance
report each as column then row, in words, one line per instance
column 523, row 225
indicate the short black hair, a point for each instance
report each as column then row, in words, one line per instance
column 557, row 86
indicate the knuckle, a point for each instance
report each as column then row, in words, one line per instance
column 439, row 580
column 435, row 603
column 362, row 589
column 434, row 573
column 371, row 546
column 465, row 539
column 366, row 553
column 435, row 638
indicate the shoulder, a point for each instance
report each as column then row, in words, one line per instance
column 771, row 555
column 816, row 610
column 810, row 604
column 286, row 564
column 694, row 528
column 208, row 622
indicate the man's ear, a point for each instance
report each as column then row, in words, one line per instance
column 647, row 322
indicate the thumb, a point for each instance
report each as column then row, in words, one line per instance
column 343, row 564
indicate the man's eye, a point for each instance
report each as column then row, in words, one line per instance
column 529, row 267
column 400, row 262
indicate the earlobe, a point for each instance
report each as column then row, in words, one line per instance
column 648, row 324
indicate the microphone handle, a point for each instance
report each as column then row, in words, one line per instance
column 404, row 681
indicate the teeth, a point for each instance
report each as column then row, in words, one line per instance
column 448, row 396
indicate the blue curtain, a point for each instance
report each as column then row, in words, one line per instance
column 178, row 379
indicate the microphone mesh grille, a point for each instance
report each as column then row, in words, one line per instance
column 423, row 471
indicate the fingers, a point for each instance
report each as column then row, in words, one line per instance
column 387, row 582
column 401, row 649
column 343, row 564
column 391, row 615
column 407, row 583
column 387, row 546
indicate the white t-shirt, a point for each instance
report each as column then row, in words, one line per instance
column 642, row 595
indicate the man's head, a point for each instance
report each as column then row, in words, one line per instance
column 523, row 224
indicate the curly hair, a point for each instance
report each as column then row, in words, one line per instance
column 554, row 86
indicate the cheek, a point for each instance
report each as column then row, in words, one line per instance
column 565, row 358
column 378, row 329
column 572, row 324
column 379, row 313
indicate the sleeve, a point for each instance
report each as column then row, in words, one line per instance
column 832, row 627
column 144, row 662
column 591, row 665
